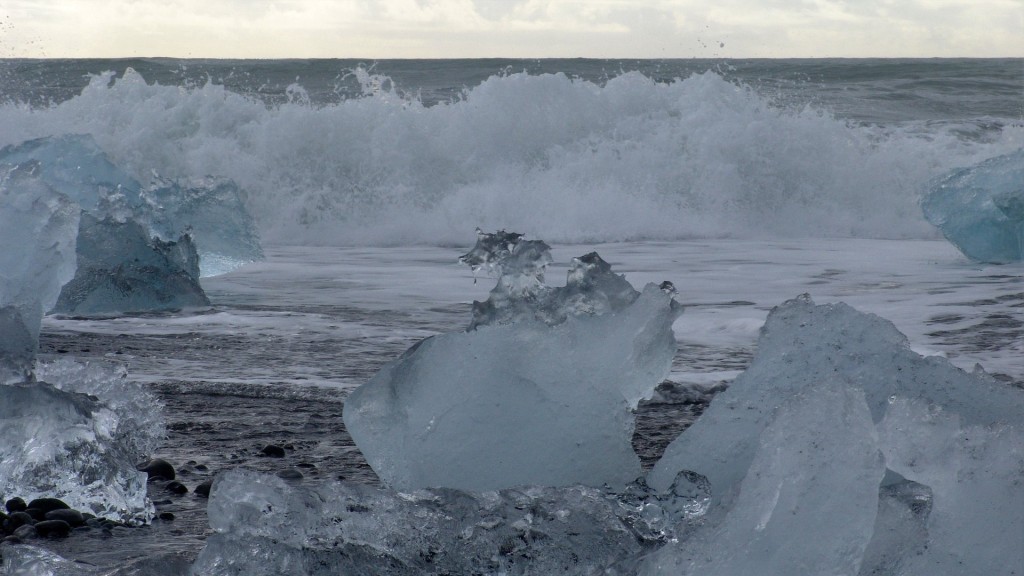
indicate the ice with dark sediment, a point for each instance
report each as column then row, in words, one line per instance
column 265, row 526
column 980, row 209
column 37, row 231
column 212, row 210
column 545, row 380
column 121, row 269
column 828, row 375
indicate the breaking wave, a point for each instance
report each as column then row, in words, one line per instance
column 564, row 159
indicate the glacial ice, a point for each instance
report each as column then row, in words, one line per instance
column 80, row 443
column 976, row 520
column 26, row 560
column 980, row 209
column 212, row 210
column 37, row 232
column 74, row 165
column 808, row 503
column 545, row 379
column 945, row 437
column 264, row 525
column 121, row 269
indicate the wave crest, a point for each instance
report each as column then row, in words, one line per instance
column 561, row 158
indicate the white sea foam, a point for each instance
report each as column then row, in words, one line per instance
column 563, row 159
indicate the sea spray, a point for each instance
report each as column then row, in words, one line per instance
column 570, row 159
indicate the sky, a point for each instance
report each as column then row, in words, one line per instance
column 511, row 28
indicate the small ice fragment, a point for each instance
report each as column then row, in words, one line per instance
column 980, row 209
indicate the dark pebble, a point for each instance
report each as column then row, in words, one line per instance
column 72, row 517
column 202, row 467
column 36, row 513
column 166, row 516
column 273, row 451
column 48, row 504
column 15, row 505
column 305, row 465
column 203, row 489
column 175, row 487
column 162, row 502
column 16, row 520
column 158, row 467
column 53, row 528
column 26, row 532
column 11, row 540
column 290, row 474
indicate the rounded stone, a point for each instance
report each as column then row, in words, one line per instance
column 157, row 467
column 48, row 504
column 203, row 489
column 16, row 520
column 166, row 516
column 72, row 517
column 37, row 514
column 15, row 505
column 273, row 451
column 175, row 487
column 53, row 528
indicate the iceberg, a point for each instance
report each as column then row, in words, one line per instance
column 980, row 209
column 264, row 526
column 120, row 269
column 898, row 486
column 540, row 391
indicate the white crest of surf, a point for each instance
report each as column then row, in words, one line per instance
column 563, row 159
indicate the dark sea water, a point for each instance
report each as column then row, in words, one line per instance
column 744, row 182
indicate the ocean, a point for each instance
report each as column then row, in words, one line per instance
column 745, row 183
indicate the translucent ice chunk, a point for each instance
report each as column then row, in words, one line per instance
column 901, row 526
column 808, row 503
column 25, row 560
column 18, row 347
column 540, row 391
column 950, row 440
column 981, row 209
column 69, row 445
column 74, row 165
column 121, row 269
column 265, row 526
column 37, row 232
column 591, row 287
column 213, row 211
column 802, row 344
column 974, row 472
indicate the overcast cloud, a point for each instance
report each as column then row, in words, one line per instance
column 513, row 28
